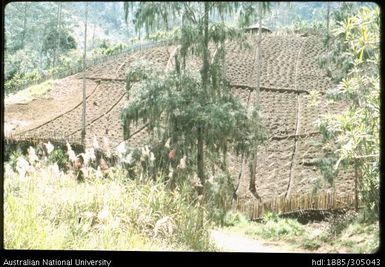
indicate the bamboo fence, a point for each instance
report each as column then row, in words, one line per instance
column 299, row 203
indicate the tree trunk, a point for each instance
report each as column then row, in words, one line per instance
column 205, row 67
column 59, row 26
column 55, row 51
column 83, row 133
column 356, row 184
column 254, row 154
column 24, row 25
column 204, row 76
column 328, row 19
column 93, row 38
column 200, row 156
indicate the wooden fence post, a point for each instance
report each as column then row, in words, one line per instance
column 355, row 185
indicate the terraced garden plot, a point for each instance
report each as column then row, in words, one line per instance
column 239, row 65
column 98, row 103
column 312, row 76
column 116, row 68
column 158, row 57
column 106, row 70
column 286, row 162
column 311, row 111
column 65, row 95
column 306, row 170
column 279, row 58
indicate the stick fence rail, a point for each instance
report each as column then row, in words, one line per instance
column 281, row 205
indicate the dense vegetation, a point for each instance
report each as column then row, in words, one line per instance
column 117, row 212
column 352, row 138
column 46, row 38
column 169, row 193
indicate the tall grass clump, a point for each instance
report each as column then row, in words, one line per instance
column 45, row 208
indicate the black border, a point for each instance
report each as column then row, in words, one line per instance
column 127, row 258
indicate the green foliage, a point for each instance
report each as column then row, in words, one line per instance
column 32, row 33
column 274, row 228
column 59, row 157
column 233, row 218
column 337, row 60
column 13, row 158
column 107, row 49
column 51, row 40
column 196, row 115
column 164, row 35
column 174, row 106
column 219, row 196
column 20, row 79
column 115, row 213
column 354, row 134
column 348, row 233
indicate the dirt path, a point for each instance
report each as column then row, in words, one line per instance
column 234, row 242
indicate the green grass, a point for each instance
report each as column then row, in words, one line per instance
column 50, row 211
column 345, row 234
column 32, row 92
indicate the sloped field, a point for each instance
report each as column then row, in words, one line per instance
column 287, row 161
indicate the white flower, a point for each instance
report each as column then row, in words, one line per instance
column 170, row 171
column 95, row 143
column 115, row 224
column 167, row 144
column 85, row 157
column 145, row 153
column 152, row 157
column 90, row 153
column 32, row 157
column 55, row 169
column 22, row 166
column 85, row 172
column 49, row 147
column 121, row 148
column 98, row 173
column 210, row 180
column 348, row 146
column 103, row 214
column 128, row 159
column 71, row 153
column 106, row 143
column 182, row 163
column 68, row 146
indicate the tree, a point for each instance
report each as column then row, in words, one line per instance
column 262, row 7
column 353, row 136
column 83, row 133
column 199, row 113
column 24, row 24
column 55, row 39
column 58, row 31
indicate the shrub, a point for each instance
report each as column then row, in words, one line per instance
column 233, row 218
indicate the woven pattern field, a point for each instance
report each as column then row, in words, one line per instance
column 287, row 161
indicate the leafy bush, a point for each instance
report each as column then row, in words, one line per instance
column 59, row 157
column 233, row 218
column 352, row 137
column 21, row 79
column 274, row 227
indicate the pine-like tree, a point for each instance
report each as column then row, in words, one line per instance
column 201, row 116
